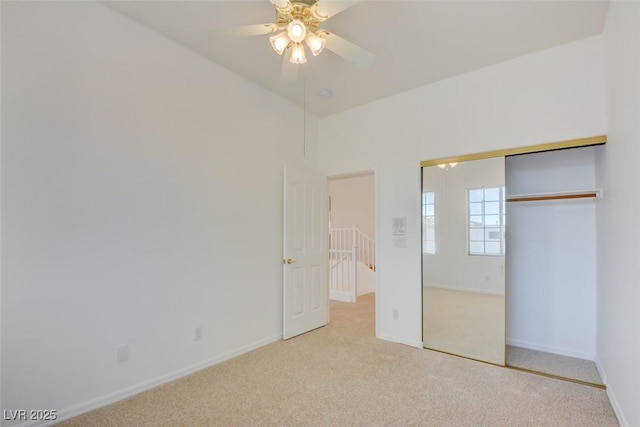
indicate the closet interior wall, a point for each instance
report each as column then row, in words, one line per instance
column 551, row 254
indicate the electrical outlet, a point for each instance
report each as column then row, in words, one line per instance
column 122, row 353
column 396, row 314
column 197, row 333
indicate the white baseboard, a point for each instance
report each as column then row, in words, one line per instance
column 600, row 369
column 416, row 344
column 612, row 395
column 616, row 407
column 99, row 402
column 550, row 349
column 341, row 296
column 462, row 289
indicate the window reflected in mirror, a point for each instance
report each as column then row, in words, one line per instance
column 487, row 221
column 429, row 222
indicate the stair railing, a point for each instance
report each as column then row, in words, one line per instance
column 348, row 238
column 347, row 247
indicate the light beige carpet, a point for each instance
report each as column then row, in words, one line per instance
column 554, row 364
column 340, row 375
column 469, row 324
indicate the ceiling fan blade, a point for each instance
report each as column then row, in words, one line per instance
column 289, row 71
column 325, row 9
column 248, row 30
column 349, row 51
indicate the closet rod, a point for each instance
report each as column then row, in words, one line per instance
column 535, row 198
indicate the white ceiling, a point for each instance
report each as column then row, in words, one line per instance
column 417, row 42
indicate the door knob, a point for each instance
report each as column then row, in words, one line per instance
column 289, row 261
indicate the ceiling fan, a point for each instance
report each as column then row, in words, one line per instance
column 298, row 23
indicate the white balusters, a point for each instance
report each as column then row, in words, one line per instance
column 347, row 248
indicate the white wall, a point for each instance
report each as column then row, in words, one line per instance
column 551, row 254
column 618, row 225
column 552, row 95
column 352, row 202
column 133, row 196
column 451, row 267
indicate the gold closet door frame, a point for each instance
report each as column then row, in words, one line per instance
column 550, row 146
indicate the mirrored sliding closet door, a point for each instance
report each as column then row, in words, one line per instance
column 463, row 250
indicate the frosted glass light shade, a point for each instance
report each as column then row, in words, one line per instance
column 296, row 31
column 316, row 43
column 297, row 54
column 279, row 42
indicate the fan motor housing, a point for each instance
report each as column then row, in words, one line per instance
column 301, row 10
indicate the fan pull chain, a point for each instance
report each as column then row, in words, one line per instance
column 304, row 117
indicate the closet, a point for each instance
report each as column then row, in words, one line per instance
column 509, row 257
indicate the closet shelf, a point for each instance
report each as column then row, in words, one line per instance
column 535, row 197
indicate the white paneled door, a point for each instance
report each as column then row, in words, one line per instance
column 305, row 260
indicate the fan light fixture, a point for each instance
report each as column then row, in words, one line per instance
column 300, row 24
column 446, row 166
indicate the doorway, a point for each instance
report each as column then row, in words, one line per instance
column 352, row 247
